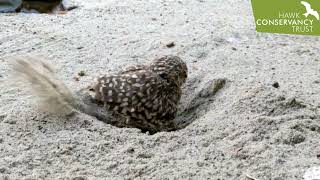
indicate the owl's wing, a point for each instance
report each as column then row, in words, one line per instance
column 141, row 94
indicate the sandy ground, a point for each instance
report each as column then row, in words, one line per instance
column 249, row 127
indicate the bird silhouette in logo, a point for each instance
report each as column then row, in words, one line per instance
column 310, row 11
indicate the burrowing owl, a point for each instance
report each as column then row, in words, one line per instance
column 146, row 96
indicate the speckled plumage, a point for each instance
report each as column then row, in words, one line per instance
column 146, row 96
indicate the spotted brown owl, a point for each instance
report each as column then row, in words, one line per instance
column 147, row 96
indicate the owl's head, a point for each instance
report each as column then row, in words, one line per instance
column 171, row 68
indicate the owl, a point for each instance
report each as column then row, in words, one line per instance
column 146, row 96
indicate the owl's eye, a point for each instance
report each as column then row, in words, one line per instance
column 163, row 75
column 91, row 89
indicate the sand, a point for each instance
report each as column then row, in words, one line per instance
column 262, row 122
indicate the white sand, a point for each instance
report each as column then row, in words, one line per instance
column 247, row 127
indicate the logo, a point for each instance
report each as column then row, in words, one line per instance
column 287, row 16
column 310, row 10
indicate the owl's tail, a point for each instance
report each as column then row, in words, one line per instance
column 38, row 77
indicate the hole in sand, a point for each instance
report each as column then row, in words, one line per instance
column 201, row 96
column 197, row 97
